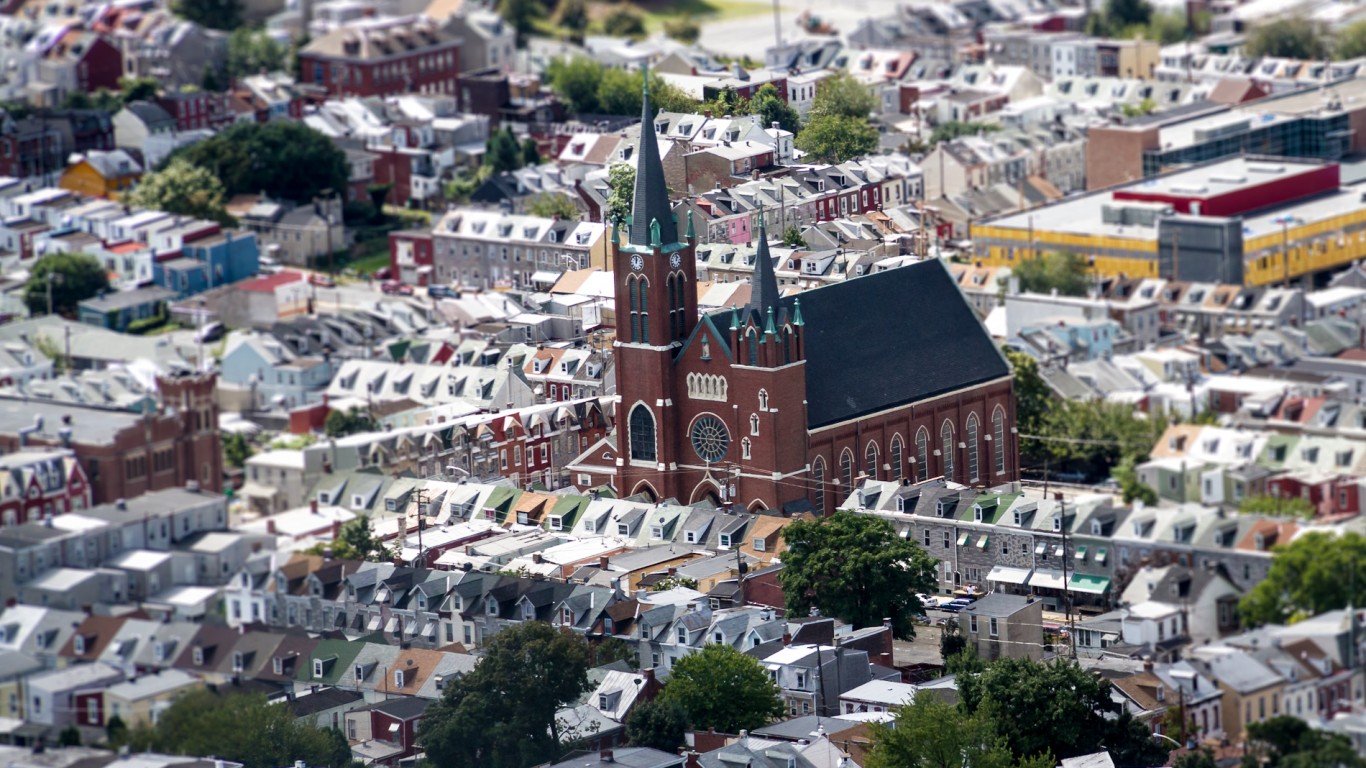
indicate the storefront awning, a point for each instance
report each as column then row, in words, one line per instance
column 1046, row 579
column 1091, row 585
column 1004, row 574
column 545, row 277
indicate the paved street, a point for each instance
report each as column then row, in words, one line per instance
column 749, row 37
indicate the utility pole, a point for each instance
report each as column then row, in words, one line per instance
column 1066, row 593
column 421, row 523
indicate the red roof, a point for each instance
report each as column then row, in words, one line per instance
column 130, row 246
column 268, row 283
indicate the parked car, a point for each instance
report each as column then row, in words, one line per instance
column 440, row 292
column 395, row 288
column 268, row 265
column 954, row 606
column 210, row 332
column 384, row 273
column 321, row 280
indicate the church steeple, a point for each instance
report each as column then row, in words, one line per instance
column 650, row 203
column 763, row 292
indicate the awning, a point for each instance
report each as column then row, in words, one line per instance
column 1081, row 552
column 1059, row 551
column 1100, row 555
column 1091, row 585
column 982, row 543
column 962, row 539
column 391, row 625
column 1038, row 548
column 373, row 624
column 430, row 629
column 257, row 491
column 545, row 277
column 1046, row 579
column 341, row 620
column 1004, row 574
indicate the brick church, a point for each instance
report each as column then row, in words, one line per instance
column 787, row 402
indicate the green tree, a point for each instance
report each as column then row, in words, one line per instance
column 621, row 180
column 1293, row 506
column 356, row 541
column 684, row 29
column 225, row 15
column 657, row 723
column 183, row 188
column 721, row 688
column 1124, row 13
column 245, row 729
column 572, row 15
column 138, row 88
column 1316, row 572
column 857, row 568
column 1061, row 271
column 75, row 277
column 932, row 733
column 284, row 159
column 1144, row 107
column 502, row 153
column 1292, row 38
column 613, row 649
column 623, row 22
column 522, row 15
column 1033, row 397
column 348, row 422
column 1168, row 27
column 236, row 449
column 250, row 51
column 1351, row 41
column 769, row 105
column 502, row 714
column 1199, row 758
column 1112, row 431
column 531, row 154
column 844, row 96
column 69, row 736
column 727, row 102
column 553, row 205
column 115, row 732
column 1130, row 486
column 1285, row 741
column 955, row 129
column 1056, row 708
column 575, row 80
column 835, row 139
column 792, row 238
column 951, row 641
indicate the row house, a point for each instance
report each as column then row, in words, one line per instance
column 36, row 485
column 488, row 249
column 89, row 538
column 73, row 60
column 383, row 57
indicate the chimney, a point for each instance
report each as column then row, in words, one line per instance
column 787, row 638
column 270, row 526
column 606, row 756
column 336, row 530
column 603, row 561
column 313, row 505
column 1147, row 664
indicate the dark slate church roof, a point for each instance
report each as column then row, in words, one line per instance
column 890, row 339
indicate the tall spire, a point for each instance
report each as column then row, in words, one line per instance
column 651, row 199
column 763, row 291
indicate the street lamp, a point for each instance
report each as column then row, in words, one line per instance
column 57, row 278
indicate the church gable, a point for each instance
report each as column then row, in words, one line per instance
column 706, row 343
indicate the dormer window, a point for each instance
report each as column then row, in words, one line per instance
column 977, row 512
column 238, row 662
column 398, row 678
column 278, row 665
column 656, row 532
column 690, row 537
column 556, row 523
column 78, row 644
column 723, row 541
column 941, row 508
column 758, row 544
column 359, row 671
column 567, row 617
column 623, row 529
column 1057, row 523
column 492, row 607
column 198, row 656
column 1019, row 518
column 528, row 611
column 317, row 667
column 1096, row 528
column 158, row 651
column 682, row 634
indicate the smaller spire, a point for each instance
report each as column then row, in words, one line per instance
column 734, row 317
column 768, row 326
column 691, row 234
column 616, row 232
column 654, row 233
column 797, row 313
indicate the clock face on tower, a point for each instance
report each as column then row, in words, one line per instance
column 675, row 260
column 637, row 263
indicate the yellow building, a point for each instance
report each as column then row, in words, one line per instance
column 102, row 174
column 1248, row 221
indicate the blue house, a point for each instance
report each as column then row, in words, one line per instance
column 116, row 310
column 277, row 376
column 223, row 258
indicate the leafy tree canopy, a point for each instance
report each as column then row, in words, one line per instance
column 183, row 188
column 836, row 138
column 931, row 733
column 954, row 129
column 502, row 714
column 242, row 728
column 855, row 567
column 356, row 541
column 75, row 277
column 769, row 105
column 621, row 179
column 658, row 723
column 1351, row 41
column 843, row 95
column 721, row 688
column 1034, row 712
column 553, row 204
column 215, row 14
column 1286, row 741
column 1292, row 38
column 684, row 29
column 792, row 238
column 348, row 422
column 1293, row 506
column 1063, row 271
column 250, row 51
column 623, row 22
column 1316, row 572
column 286, row 160
column 236, row 449
column 502, row 152
column 522, row 15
